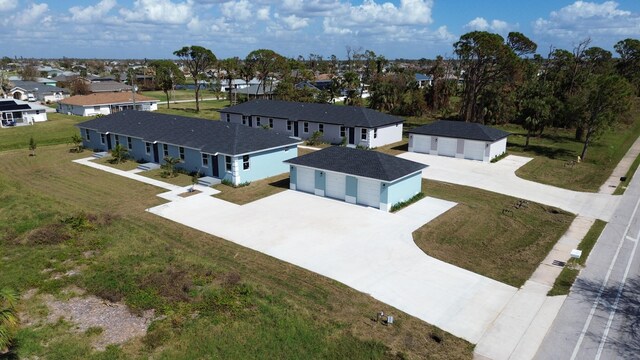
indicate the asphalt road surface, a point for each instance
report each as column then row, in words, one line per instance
column 601, row 317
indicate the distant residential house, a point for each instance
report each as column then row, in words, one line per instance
column 41, row 80
column 106, row 103
column 41, row 92
column 108, row 86
column 17, row 112
column 216, row 149
column 423, row 80
column 352, row 124
column 256, row 91
column 368, row 178
column 459, row 139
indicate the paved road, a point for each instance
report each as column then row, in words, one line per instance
column 601, row 317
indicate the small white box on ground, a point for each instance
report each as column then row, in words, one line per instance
column 575, row 253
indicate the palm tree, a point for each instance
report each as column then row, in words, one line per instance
column 8, row 318
column 119, row 154
column 76, row 140
column 169, row 166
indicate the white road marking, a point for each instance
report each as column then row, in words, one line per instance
column 632, row 239
column 615, row 304
column 604, row 284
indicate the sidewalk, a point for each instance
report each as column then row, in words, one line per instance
column 621, row 169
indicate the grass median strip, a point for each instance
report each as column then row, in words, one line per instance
column 494, row 235
column 570, row 272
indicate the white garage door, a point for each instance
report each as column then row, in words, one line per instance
column 421, row 144
column 336, row 185
column 369, row 193
column 306, row 180
column 447, row 146
column 474, row 150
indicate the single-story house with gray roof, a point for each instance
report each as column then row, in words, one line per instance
column 459, row 139
column 353, row 124
column 217, row 149
column 357, row 176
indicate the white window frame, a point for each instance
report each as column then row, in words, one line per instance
column 147, row 148
column 321, row 127
column 375, row 133
column 228, row 117
column 165, row 150
column 129, row 143
column 257, row 120
column 103, row 139
column 289, row 125
column 244, row 120
column 181, row 152
column 363, row 134
column 271, row 123
column 305, row 127
column 205, row 160
column 228, row 163
column 96, row 108
column 86, row 135
column 246, row 162
column 343, row 131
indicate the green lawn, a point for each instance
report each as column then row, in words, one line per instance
column 487, row 234
column 179, row 179
column 180, row 95
column 125, row 166
column 629, row 175
column 217, row 299
column 57, row 130
column 208, row 109
column 254, row 191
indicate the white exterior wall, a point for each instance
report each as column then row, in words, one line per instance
column 386, row 135
column 54, row 97
column 33, row 117
column 91, row 111
column 497, row 148
column 420, row 143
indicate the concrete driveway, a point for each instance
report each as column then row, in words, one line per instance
column 500, row 177
column 366, row 249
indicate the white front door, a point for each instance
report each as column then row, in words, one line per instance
column 369, row 193
column 336, row 185
column 421, row 144
column 474, row 150
column 447, row 146
column 305, row 180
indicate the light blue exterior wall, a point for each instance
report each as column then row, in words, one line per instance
column 320, row 181
column 293, row 176
column 266, row 164
column 401, row 190
column 94, row 140
column 351, row 193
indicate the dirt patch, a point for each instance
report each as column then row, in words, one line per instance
column 189, row 193
column 118, row 324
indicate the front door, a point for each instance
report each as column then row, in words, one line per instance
column 352, row 135
column 295, row 129
column 250, row 122
column 214, row 165
column 108, row 141
column 156, row 157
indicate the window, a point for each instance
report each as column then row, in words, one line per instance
column 321, row 128
column 306, row 127
column 271, row 123
column 245, row 162
column 86, row 135
column 289, row 124
column 96, row 108
column 375, row 133
column 129, row 144
column 244, row 120
column 343, row 132
column 117, row 139
column 165, row 150
column 258, row 121
column 103, row 139
column 181, row 153
column 205, row 160
column 228, row 118
column 364, row 134
column 147, row 147
column 227, row 163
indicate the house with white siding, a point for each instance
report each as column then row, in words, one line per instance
column 459, row 139
column 357, row 176
column 16, row 112
column 215, row 149
column 106, row 103
column 356, row 126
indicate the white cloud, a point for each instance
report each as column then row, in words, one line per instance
column 238, row 10
column 293, row 22
column 91, row 13
column 264, row 13
column 159, row 12
column 582, row 19
column 8, row 5
column 311, row 8
column 481, row 24
column 35, row 13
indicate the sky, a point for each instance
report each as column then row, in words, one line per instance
column 410, row 29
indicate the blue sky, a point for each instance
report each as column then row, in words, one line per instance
column 393, row 28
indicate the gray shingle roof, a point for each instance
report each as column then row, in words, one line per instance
column 461, row 130
column 366, row 163
column 107, row 86
column 206, row 135
column 42, row 88
column 326, row 113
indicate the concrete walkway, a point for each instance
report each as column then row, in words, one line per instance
column 621, row 169
column 500, row 177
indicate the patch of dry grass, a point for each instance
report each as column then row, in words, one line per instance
column 254, row 191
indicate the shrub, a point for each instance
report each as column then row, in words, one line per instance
column 402, row 204
column 315, row 138
column 499, row 157
column 229, row 183
column 49, row 234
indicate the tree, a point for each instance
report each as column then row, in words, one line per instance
column 535, row 109
column 29, row 72
column 606, row 97
column 231, row 67
column 8, row 319
column 629, row 63
column 76, row 140
column 119, row 154
column 80, row 86
column 197, row 59
column 169, row 166
column 168, row 74
column 351, row 83
column 265, row 62
column 32, row 146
